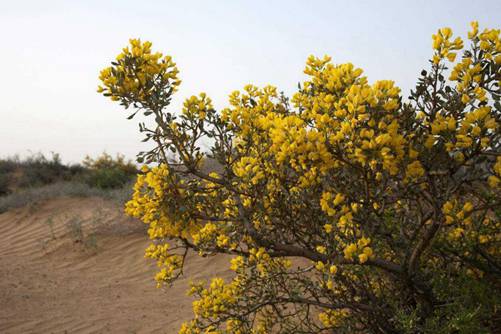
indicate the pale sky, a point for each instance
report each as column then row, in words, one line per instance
column 52, row 52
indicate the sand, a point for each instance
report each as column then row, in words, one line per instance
column 54, row 281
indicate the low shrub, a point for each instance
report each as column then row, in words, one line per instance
column 8, row 165
column 106, row 161
column 4, row 184
column 37, row 170
column 104, row 172
column 109, row 178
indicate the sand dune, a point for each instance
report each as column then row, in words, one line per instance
column 54, row 281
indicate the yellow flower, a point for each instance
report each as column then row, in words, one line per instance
column 447, row 207
column 338, row 199
column 236, row 263
column 451, row 56
column 363, row 242
column 493, row 181
column 430, row 141
column 349, row 251
column 483, row 239
column 363, row 258
column 222, row 240
column 449, row 219
column 415, row 170
column 368, row 251
column 473, row 33
column 468, row 206
column 321, row 249
column 320, row 266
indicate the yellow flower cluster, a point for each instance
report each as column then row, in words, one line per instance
column 168, row 263
column 466, row 224
column 490, row 43
column 343, row 216
column 468, row 75
column 453, row 214
column 444, row 47
column 247, row 106
column 361, row 248
column 329, row 201
column 494, row 180
column 237, row 263
column 468, row 72
column 333, row 318
column 249, row 169
column 442, row 124
column 265, row 264
column 138, row 74
column 211, row 235
column 370, row 138
column 217, row 298
column 476, row 124
column 473, row 128
column 414, row 170
column 151, row 191
column 197, row 106
column 366, row 137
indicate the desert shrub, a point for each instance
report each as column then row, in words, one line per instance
column 37, row 178
column 8, row 165
column 347, row 208
column 37, row 170
column 107, row 178
column 4, row 184
column 75, row 229
column 106, row 161
column 108, row 173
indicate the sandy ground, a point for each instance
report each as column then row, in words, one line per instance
column 53, row 282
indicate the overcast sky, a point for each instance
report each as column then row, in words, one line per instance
column 52, row 51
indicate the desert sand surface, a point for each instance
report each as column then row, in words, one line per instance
column 54, row 279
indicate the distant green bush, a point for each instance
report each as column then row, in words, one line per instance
column 4, row 184
column 8, row 165
column 105, row 172
column 107, row 178
column 38, row 170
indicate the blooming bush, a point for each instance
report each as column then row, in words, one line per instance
column 347, row 209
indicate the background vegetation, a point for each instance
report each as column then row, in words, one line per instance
column 37, row 177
